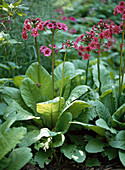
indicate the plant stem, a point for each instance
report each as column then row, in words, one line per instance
column 53, row 63
column 87, row 72
column 62, row 79
column 120, row 68
column 98, row 67
column 37, row 49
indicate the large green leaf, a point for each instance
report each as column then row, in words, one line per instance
column 43, row 157
column 122, row 157
column 30, row 93
column 105, row 77
column 118, row 118
column 94, row 146
column 63, row 124
column 50, row 111
column 76, row 107
column 77, row 92
column 18, row 158
column 2, row 108
column 96, row 129
column 72, row 152
column 39, row 75
column 119, row 141
column 16, row 111
column 69, row 70
column 17, row 80
column 10, row 139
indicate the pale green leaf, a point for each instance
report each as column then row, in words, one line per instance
column 50, row 111
column 17, row 80
column 39, row 75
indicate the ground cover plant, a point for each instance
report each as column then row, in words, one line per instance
column 74, row 108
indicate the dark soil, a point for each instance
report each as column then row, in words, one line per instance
column 72, row 165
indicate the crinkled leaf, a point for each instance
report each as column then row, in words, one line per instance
column 15, row 110
column 77, row 92
column 30, row 93
column 94, row 146
column 2, row 108
column 63, row 124
column 119, row 141
column 118, row 118
column 18, row 158
column 72, row 152
column 38, row 74
column 50, row 111
column 10, row 139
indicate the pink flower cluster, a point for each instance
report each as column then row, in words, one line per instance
column 37, row 24
column 47, row 51
column 91, row 39
column 120, row 9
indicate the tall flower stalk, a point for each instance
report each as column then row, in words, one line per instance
column 87, row 72
column 37, row 49
column 120, row 68
column 53, row 59
column 98, row 67
column 62, row 79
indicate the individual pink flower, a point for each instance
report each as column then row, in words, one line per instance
column 64, row 27
column 92, row 45
column 101, row 35
column 72, row 19
column 80, row 53
column 59, row 25
column 42, row 48
column 95, row 40
column 41, row 27
column 75, row 45
column 49, row 25
column 81, row 48
column 26, row 21
column 35, row 32
column 46, row 22
column 28, row 27
column 86, row 56
column 47, row 52
column 54, row 46
column 24, row 35
column 88, row 48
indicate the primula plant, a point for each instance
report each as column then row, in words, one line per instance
column 77, row 111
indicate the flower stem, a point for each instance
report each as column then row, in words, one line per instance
column 120, row 68
column 62, row 79
column 87, row 72
column 37, row 49
column 98, row 67
column 53, row 63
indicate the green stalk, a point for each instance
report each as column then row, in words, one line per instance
column 120, row 68
column 37, row 49
column 53, row 63
column 62, row 80
column 87, row 72
column 98, row 67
